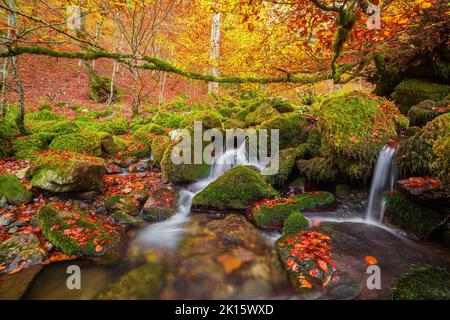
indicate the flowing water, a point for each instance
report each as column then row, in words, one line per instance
column 383, row 181
column 167, row 234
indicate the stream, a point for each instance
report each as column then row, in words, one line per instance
column 228, row 258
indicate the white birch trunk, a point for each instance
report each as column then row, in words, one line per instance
column 213, row 87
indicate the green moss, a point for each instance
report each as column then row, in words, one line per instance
column 65, row 172
column 82, row 232
column 210, row 119
column 29, row 147
column 354, row 127
column 295, row 222
column 440, row 164
column 269, row 216
column 410, row 92
column 100, row 88
column 121, row 217
column 158, row 146
column 44, row 115
column 279, row 104
column 85, row 142
column 170, row 120
column 144, row 282
column 236, row 189
column 411, row 216
column 118, row 126
column 291, row 131
column 287, row 158
column 422, row 282
column 121, row 144
column 426, row 111
column 262, row 113
column 415, row 156
column 14, row 192
column 319, row 170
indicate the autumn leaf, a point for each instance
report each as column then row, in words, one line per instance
column 305, row 283
column 229, row 262
column 370, row 260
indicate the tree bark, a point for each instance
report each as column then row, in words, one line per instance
column 213, row 87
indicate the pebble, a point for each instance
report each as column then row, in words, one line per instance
column 4, row 221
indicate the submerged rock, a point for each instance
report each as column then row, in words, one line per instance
column 161, row 204
column 78, row 233
column 236, row 189
column 124, row 203
column 67, row 172
column 21, row 251
column 13, row 191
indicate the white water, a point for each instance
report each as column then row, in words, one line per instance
column 167, row 234
column 383, row 180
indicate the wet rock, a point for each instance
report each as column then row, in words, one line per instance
column 426, row 190
column 13, row 286
column 139, row 195
column 67, row 173
column 161, row 204
column 120, row 217
column 21, row 251
column 224, row 259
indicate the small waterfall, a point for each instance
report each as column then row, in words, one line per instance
column 166, row 234
column 383, row 180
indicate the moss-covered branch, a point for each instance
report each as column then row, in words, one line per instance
column 152, row 63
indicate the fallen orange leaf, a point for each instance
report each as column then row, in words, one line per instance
column 370, row 260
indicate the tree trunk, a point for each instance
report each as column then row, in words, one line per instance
column 213, row 87
column 4, row 87
column 135, row 103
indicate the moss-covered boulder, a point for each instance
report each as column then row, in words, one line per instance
column 290, row 126
column 21, row 251
column 66, row 172
column 78, row 233
column 281, row 105
column 273, row 213
column 425, row 154
column 425, row 111
column 295, row 223
column 410, row 92
column 287, row 158
column 422, row 282
column 158, row 146
column 170, row 120
column 260, row 114
column 180, row 173
column 8, row 131
column 209, row 119
column 120, row 217
column 354, row 127
column 144, row 282
column 161, row 203
column 13, row 191
column 406, row 214
column 321, row 170
column 237, row 189
column 89, row 143
column 29, row 147
column 143, row 139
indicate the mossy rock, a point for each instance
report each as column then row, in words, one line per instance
column 260, row 114
column 353, row 128
column 287, row 158
column 158, row 146
column 55, row 127
column 410, row 92
column 66, row 172
column 319, row 170
column 143, row 138
column 273, row 215
column 179, row 173
column 295, row 222
column 410, row 216
column 124, row 203
column 117, row 126
column 210, row 119
column 100, row 89
column 78, row 233
column 235, row 189
column 425, row 111
column 290, row 126
column 170, row 120
column 85, row 142
column 121, row 144
column 6, row 149
column 21, row 251
column 29, row 147
column 13, row 191
column 144, row 282
column 440, row 164
column 44, row 114
column 419, row 155
column 280, row 104
column 422, row 282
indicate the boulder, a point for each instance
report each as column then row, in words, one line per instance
column 161, row 204
column 78, row 233
column 287, row 158
column 425, row 111
column 21, row 251
column 428, row 191
column 13, row 191
column 85, row 142
column 66, row 172
column 120, row 217
column 124, row 203
column 410, row 92
column 273, row 213
column 236, row 189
